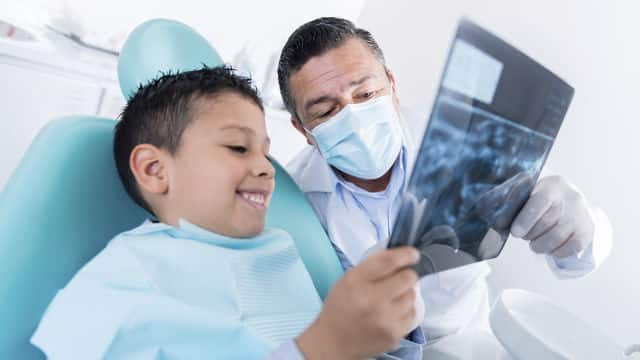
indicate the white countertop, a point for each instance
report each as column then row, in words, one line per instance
column 469, row 344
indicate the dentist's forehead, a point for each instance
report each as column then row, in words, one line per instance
column 335, row 70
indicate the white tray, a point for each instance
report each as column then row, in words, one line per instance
column 530, row 326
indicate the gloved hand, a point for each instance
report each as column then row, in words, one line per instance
column 555, row 219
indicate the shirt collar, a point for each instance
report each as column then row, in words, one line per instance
column 316, row 175
column 187, row 230
column 395, row 183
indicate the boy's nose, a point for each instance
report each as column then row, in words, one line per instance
column 263, row 168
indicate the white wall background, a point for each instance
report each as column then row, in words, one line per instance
column 247, row 33
column 595, row 46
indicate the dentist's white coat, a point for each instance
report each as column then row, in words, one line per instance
column 356, row 220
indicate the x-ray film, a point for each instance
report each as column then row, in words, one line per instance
column 494, row 120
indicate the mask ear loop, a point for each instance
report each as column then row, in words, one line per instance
column 310, row 134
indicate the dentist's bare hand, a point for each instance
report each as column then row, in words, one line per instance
column 368, row 311
column 556, row 219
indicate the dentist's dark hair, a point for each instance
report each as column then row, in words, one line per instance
column 160, row 111
column 314, row 39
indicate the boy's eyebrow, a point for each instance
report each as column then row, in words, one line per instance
column 237, row 127
column 244, row 129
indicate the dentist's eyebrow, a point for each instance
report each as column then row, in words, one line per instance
column 361, row 80
column 327, row 98
column 319, row 100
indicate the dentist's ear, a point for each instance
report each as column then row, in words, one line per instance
column 296, row 124
column 392, row 79
column 394, row 88
column 147, row 163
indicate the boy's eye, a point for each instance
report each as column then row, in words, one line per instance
column 238, row 149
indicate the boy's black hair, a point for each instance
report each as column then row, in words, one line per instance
column 314, row 39
column 161, row 110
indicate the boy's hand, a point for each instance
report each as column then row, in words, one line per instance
column 368, row 311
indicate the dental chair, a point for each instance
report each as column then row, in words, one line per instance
column 64, row 201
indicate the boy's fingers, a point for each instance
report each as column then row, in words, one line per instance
column 405, row 311
column 407, row 321
column 388, row 262
column 398, row 284
column 405, row 301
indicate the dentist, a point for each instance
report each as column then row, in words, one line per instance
column 343, row 100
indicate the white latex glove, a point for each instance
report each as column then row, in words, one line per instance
column 555, row 219
column 419, row 302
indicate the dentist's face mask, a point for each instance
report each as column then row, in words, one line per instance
column 362, row 140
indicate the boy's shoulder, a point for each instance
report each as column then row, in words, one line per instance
column 117, row 263
column 148, row 227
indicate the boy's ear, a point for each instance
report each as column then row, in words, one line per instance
column 296, row 124
column 147, row 164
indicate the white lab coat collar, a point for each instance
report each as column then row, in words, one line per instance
column 313, row 173
column 351, row 231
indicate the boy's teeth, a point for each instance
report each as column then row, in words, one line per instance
column 256, row 198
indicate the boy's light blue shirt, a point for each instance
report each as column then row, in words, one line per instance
column 159, row 292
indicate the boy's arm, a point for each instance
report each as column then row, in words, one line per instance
column 368, row 311
column 286, row 351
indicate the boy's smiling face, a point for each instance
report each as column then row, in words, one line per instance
column 220, row 178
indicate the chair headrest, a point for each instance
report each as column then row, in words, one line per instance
column 159, row 46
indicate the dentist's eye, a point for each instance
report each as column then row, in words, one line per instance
column 370, row 94
column 325, row 114
column 238, row 149
column 367, row 95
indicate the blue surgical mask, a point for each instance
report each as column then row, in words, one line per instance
column 362, row 140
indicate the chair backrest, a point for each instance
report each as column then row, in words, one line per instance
column 160, row 46
column 59, row 208
column 65, row 201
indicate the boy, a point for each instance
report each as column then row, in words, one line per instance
column 204, row 279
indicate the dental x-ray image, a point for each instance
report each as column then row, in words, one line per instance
column 493, row 123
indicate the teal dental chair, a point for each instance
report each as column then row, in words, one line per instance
column 65, row 201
